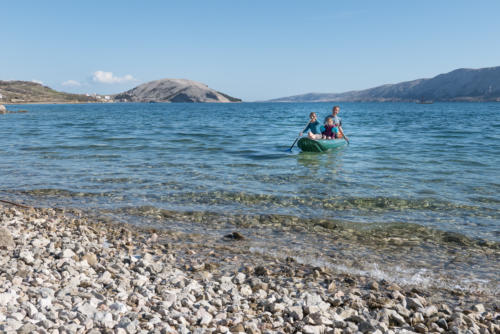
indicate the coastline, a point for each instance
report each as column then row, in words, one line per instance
column 54, row 102
column 62, row 270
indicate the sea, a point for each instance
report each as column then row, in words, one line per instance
column 414, row 198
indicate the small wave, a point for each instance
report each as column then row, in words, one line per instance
column 421, row 277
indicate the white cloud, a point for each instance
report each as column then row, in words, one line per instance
column 37, row 81
column 109, row 78
column 71, row 83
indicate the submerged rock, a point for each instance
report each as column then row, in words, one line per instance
column 234, row 236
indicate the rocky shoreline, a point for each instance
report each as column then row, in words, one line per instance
column 4, row 110
column 62, row 272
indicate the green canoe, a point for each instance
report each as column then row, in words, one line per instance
column 320, row 145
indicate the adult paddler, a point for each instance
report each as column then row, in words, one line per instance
column 337, row 121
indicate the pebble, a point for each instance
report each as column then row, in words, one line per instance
column 6, row 240
column 62, row 277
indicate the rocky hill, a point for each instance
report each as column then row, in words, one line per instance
column 173, row 90
column 31, row 92
column 459, row 85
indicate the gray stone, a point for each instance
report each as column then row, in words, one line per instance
column 414, row 303
column 308, row 329
column 6, row 240
column 420, row 328
column 429, row 311
column 295, row 312
column 203, row 317
column 26, row 256
column 365, row 327
column 245, row 290
column 396, row 318
column 67, row 253
column 91, row 259
column 478, row 308
column 239, row 278
column 261, row 271
column 27, row 328
column 87, row 309
column 442, row 323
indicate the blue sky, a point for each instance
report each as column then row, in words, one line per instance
column 253, row 50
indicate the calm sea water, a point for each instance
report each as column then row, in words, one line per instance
column 430, row 172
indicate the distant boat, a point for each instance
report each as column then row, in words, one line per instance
column 422, row 101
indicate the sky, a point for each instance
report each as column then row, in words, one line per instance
column 254, row 50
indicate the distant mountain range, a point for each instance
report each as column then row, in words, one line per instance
column 475, row 85
column 459, row 85
column 166, row 90
column 173, row 90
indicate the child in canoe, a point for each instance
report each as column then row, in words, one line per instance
column 313, row 128
column 337, row 121
column 330, row 129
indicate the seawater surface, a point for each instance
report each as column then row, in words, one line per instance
column 415, row 197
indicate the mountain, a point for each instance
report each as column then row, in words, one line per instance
column 173, row 90
column 459, row 85
column 31, row 92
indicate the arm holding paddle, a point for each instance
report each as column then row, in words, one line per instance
column 312, row 126
column 343, row 135
column 300, row 135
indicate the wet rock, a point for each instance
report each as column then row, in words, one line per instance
column 261, row 271
column 373, row 285
column 234, row 236
column 442, row 324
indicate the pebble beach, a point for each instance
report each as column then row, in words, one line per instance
column 63, row 272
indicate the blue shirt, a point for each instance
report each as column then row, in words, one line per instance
column 336, row 120
column 314, row 127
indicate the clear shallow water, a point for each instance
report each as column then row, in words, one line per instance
column 429, row 168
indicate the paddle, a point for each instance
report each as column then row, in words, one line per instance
column 343, row 135
column 290, row 149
